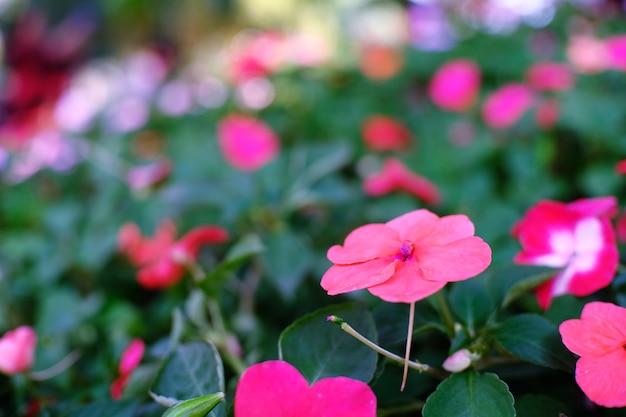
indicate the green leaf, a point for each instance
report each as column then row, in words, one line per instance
column 536, row 340
column 470, row 303
column 193, row 370
column 195, row 407
column 470, row 394
column 531, row 405
column 507, row 284
column 287, row 260
column 105, row 409
column 320, row 349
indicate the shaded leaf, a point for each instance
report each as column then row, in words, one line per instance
column 470, row 303
column 195, row 407
column 470, row 394
column 540, row 406
column 320, row 349
column 507, row 284
column 105, row 409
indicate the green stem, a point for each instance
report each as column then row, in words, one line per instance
column 422, row 367
column 446, row 314
column 407, row 351
column 56, row 369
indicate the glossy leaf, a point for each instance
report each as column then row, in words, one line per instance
column 536, row 340
column 540, row 406
column 507, row 284
column 193, row 370
column 470, row 394
column 195, row 407
column 470, row 303
column 320, row 349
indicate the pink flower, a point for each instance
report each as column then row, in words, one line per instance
column 131, row 357
column 247, row 143
column 550, row 76
column 577, row 237
column 616, row 52
column 620, row 167
column 587, row 54
column 505, row 106
column 455, row 85
column 397, row 177
column 408, row 258
column 146, row 176
column 277, row 389
column 599, row 338
column 547, row 113
column 17, row 350
column 382, row 133
column 380, row 62
column 162, row 259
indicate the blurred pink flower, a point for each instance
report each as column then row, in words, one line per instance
column 379, row 62
column 599, row 338
column 577, row 237
column 247, row 144
column 455, row 85
column 161, row 260
column 382, row 133
column 277, row 389
column 505, row 106
column 550, row 76
column 131, row 357
column 587, row 54
column 620, row 167
column 408, row 258
column 145, row 176
column 395, row 176
column 17, row 350
column 620, row 227
column 616, row 52
column 256, row 54
column 547, row 113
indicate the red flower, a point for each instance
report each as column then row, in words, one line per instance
column 455, row 85
column 547, row 113
column 380, row 62
column 382, row 133
column 396, row 177
column 408, row 258
column 550, row 76
column 620, row 167
column 277, row 389
column 247, row 143
column 162, row 259
column 131, row 357
column 17, row 350
column 505, row 106
column 577, row 237
column 599, row 338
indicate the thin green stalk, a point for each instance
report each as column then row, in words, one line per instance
column 446, row 314
column 407, row 351
column 55, row 369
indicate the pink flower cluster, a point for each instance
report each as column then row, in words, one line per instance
column 162, row 260
column 577, row 237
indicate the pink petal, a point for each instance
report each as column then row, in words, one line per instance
column 131, row 357
column 505, row 106
column 338, row 397
column 455, row 85
column 456, row 261
column 270, row 389
column 17, row 350
column 599, row 331
column 595, row 207
column 407, row 285
column 550, row 76
column 603, row 378
column 340, row 279
column 161, row 274
column 382, row 133
column 365, row 243
column 414, row 220
column 448, row 229
column 191, row 242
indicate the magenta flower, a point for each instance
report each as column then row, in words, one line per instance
column 162, row 259
column 408, row 258
column 395, row 176
column 131, row 357
column 505, row 106
column 615, row 47
column 455, row 85
column 382, row 133
column 550, row 76
column 17, row 350
column 599, row 338
column 577, row 237
column 277, row 389
column 247, row 144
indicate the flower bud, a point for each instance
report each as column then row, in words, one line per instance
column 459, row 361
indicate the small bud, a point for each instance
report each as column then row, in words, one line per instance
column 335, row 319
column 459, row 360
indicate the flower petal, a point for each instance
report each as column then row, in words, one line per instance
column 407, row 285
column 270, row 389
column 406, row 224
column 448, row 229
column 365, row 243
column 161, row 274
column 595, row 207
column 603, row 378
column 456, row 261
column 338, row 397
column 345, row 278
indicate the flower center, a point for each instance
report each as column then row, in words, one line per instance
column 406, row 249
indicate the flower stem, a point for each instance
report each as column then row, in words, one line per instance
column 409, row 338
column 446, row 314
column 55, row 369
column 422, row 367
